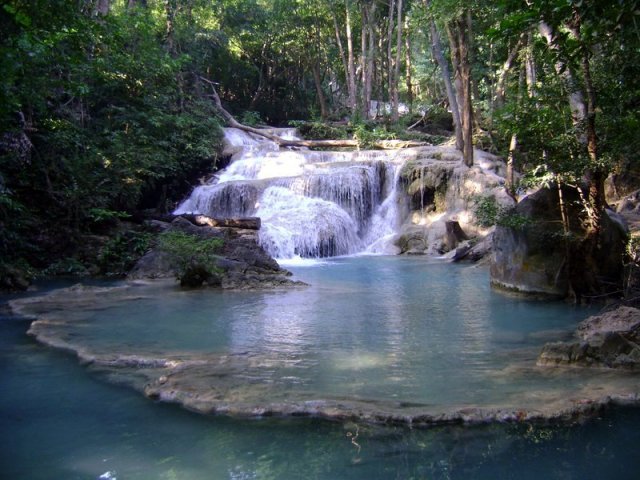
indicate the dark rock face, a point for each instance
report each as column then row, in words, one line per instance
column 536, row 259
column 610, row 340
column 242, row 263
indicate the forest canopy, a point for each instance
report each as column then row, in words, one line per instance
column 104, row 113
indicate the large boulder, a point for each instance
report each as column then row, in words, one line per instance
column 535, row 256
column 241, row 262
column 610, row 340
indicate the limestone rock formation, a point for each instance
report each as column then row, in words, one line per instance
column 242, row 263
column 610, row 340
column 538, row 257
column 441, row 191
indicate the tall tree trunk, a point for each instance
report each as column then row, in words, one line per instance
column 351, row 65
column 170, row 15
column 531, row 72
column 583, row 269
column 136, row 3
column 510, row 185
column 390, row 69
column 395, row 101
column 343, row 56
column 583, row 116
column 574, row 93
column 369, row 19
column 460, row 60
column 364, row 107
column 436, row 48
column 475, row 91
column 407, row 64
column 101, row 8
column 317, row 79
column 501, row 82
column 322, row 103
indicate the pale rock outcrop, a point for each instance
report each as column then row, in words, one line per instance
column 610, row 340
column 441, row 190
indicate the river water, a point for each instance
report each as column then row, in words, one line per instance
column 374, row 329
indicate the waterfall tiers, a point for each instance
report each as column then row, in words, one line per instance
column 330, row 203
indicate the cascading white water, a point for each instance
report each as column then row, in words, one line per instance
column 312, row 204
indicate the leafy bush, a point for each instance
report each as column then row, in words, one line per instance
column 489, row 213
column 319, row 130
column 193, row 257
column 251, row 118
column 368, row 136
column 66, row 266
column 121, row 252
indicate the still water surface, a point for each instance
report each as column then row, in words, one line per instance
column 378, row 328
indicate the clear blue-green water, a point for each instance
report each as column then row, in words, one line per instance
column 372, row 328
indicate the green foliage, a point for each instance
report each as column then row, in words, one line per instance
column 317, row 130
column 97, row 119
column 122, row 251
column 489, row 213
column 251, row 118
column 66, row 266
column 189, row 254
column 367, row 135
column 104, row 214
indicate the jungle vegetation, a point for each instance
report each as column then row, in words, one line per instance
column 106, row 108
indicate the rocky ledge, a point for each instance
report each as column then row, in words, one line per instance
column 243, row 383
column 241, row 263
column 609, row 340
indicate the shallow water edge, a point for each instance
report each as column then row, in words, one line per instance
column 233, row 383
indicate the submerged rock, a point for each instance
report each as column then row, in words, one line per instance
column 610, row 340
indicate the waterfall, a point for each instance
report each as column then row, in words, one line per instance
column 312, row 204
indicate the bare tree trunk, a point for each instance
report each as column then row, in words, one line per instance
column 369, row 20
column 320, row 94
column 136, row 3
column 407, row 64
column 390, row 69
column 395, row 102
column 170, row 12
column 351, row 63
column 513, row 146
column 102, row 8
column 575, row 96
column 343, row 57
column 500, row 93
column 530, row 67
column 436, row 48
column 322, row 103
column 460, row 59
column 474, row 85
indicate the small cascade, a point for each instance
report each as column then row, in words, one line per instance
column 312, row 204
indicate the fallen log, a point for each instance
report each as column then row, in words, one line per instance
column 230, row 119
column 249, row 223
column 381, row 144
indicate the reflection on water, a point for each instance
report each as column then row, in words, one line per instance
column 382, row 330
column 58, row 422
column 368, row 328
